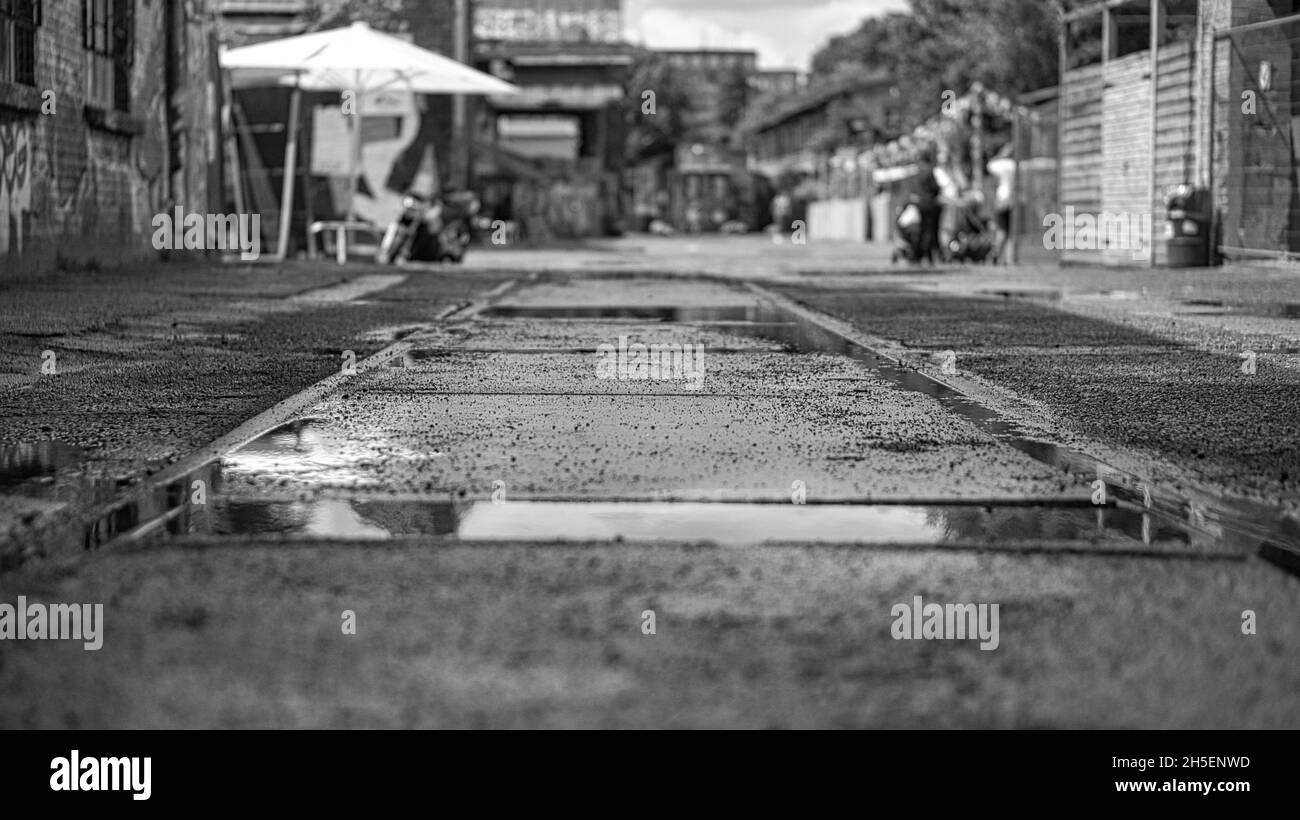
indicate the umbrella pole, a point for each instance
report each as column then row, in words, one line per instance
column 290, row 171
column 356, row 146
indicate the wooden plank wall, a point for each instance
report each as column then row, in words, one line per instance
column 1104, row 147
column 1175, row 130
column 1126, row 147
column 1081, row 152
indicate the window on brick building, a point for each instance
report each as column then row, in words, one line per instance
column 108, row 36
column 18, row 22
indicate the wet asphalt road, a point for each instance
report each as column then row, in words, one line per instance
column 508, row 629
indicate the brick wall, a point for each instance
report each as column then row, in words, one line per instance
column 80, row 187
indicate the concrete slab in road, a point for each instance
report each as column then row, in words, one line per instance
column 761, row 419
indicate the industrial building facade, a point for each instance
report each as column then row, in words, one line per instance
column 108, row 115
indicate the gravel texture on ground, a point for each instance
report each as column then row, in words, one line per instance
column 155, row 362
column 1117, row 384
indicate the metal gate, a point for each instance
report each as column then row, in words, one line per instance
column 1257, row 115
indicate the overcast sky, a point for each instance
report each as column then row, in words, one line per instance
column 784, row 32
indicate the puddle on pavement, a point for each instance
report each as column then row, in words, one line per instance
column 304, row 450
column 312, row 451
column 34, row 461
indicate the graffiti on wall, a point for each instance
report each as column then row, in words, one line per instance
column 15, row 182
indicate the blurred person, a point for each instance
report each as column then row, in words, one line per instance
column 1003, row 168
column 952, row 189
column 781, row 211
column 926, row 192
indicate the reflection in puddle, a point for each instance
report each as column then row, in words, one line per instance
column 322, row 518
column 757, row 523
column 721, row 523
column 314, row 452
column 20, row 463
column 297, row 450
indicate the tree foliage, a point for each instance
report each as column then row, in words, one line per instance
column 1008, row 45
column 659, row 106
column 381, row 15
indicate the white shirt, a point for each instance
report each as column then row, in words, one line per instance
column 1004, row 168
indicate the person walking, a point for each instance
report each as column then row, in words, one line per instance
column 926, row 190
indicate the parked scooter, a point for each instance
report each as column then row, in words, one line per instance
column 437, row 230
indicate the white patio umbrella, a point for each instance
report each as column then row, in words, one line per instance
column 353, row 58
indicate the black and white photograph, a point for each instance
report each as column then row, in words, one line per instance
column 650, row 365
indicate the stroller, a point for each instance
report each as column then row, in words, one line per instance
column 974, row 238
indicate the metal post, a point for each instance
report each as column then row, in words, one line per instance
column 1062, row 89
column 459, row 137
column 1013, row 230
column 1155, row 91
column 356, row 147
column 290, row 166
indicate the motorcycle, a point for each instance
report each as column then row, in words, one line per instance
column 430, row 230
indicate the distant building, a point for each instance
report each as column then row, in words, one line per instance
column 780, row 82
column 712, row 60
column 551, row 157
column 243, row 22
column 109, row 115
column 720, row 80
column 552, row 21
column 813, row 124
column 570, row 61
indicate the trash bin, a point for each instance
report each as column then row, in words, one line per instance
column 1187, row 229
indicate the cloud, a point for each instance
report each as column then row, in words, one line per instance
column 784, row 32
